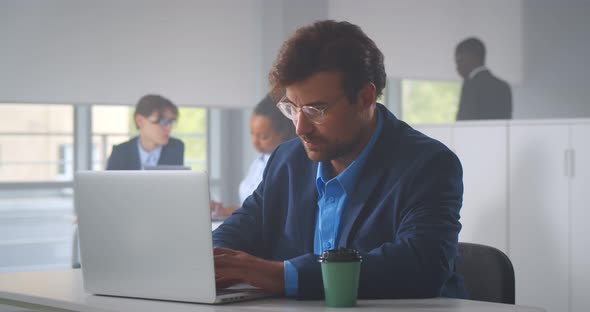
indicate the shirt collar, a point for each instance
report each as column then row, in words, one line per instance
column 476, row 71
column 348, row 177
column 144, row 155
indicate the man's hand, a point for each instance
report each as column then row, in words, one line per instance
column 218, row 210
column 233, row 267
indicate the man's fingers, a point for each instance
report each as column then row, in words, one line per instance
column 223, row 251
column 225, row 282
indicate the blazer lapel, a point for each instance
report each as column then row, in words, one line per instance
column 306, row 205
column 135, row 159
column 365, row 187
column 164, row 156
column 370, row 176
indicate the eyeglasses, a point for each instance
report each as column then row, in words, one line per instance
column 316, row 115
column 164, row 122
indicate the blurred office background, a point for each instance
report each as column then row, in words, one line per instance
column 71, row 72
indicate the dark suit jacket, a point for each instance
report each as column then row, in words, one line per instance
column 406, row 229
column 485, row 97
column 125, row 156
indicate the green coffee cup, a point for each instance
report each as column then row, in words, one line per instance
column 340, row 272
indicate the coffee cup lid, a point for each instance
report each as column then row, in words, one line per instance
column 340, row 255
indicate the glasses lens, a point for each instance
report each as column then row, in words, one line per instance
column 167, row 122
column 286, row 109
column 290, row 111
column 313, row 113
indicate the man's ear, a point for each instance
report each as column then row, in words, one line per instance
column 139, row 120
column 368, row 95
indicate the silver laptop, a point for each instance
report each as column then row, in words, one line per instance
column 147, row 234
column 167, row 167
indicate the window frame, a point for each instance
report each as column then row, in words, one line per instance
column 82, row 148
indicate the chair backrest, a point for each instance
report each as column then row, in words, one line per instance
column 488, row 273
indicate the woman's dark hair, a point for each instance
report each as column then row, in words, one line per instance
column 267, row 108
column 329, row 46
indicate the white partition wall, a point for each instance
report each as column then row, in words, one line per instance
column 444, row 134
column 483, row 152
column 196, row 52
column 580, row 231
column 418, row 37
column 539, row 214
column 527, row 193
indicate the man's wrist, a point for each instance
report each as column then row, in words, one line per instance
column 279, row 276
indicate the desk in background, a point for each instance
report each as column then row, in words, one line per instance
column 63, row 291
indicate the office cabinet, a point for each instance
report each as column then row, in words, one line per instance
column 527, row 193
column 539, row 214
column 483, row 153
column 579, row 167
column 442, row 133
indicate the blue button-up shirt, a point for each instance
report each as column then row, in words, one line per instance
column 333, row 194
column 149, row 159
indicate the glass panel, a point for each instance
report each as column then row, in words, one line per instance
column 192, row 130
column 36, row 229
column 111, row 125
column 35, row 142
column 427, row 101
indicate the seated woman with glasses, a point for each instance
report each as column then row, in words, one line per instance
column 268, row 129
column 154, row 118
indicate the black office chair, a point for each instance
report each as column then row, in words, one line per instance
column 488, row 273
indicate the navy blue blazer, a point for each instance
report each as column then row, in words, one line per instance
column 406, row 229
column 125, row 156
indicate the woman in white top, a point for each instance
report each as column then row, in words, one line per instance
column 268, row 128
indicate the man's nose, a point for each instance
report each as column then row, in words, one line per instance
column 255, row 142
column 302, row 124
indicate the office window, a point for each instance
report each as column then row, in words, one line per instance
column 36, row 207
column 65, row 166
column 428, row 101
column 113, row 125
column 31, row 136
column 36, row 169
column 192, row 130
column 36, row 227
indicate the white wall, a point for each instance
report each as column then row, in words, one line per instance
column 556, row 69
column 204, row 52
column 280, row 19
column 418, row 38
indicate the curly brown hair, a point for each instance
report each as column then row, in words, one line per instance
column 329, row 46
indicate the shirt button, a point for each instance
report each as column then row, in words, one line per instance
column 330, row 199
column 327, row 245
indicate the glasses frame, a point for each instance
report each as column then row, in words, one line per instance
column 309, row 111
column 164, row 122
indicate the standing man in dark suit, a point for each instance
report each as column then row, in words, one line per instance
column 154, row 118
column 483, row 95
column 357, row 178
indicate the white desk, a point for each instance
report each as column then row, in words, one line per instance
column 62, row 291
